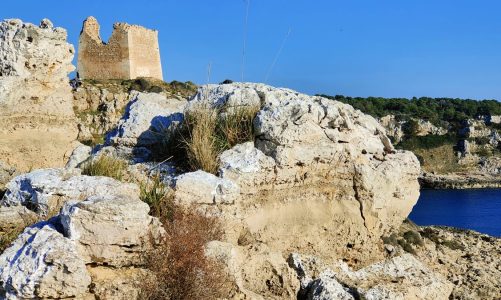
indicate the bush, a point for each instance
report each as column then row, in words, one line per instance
column 105, row 166
column 179, row 265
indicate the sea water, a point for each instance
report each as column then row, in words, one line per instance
column 476, row 209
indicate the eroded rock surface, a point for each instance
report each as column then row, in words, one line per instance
column 93, row 248
column 147, row 117
column 320, row 175
column 42, row 263
column 44, row 191
column 37, row 123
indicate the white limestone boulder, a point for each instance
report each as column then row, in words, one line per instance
column 47, row 189
column 42, row 264
column 113, row 230
column 80, row 154
column 204, row 188
column 149, row 118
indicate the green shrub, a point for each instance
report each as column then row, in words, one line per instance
column 107, row 166
column 413, row 237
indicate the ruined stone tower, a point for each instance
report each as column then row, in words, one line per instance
column 132, row 51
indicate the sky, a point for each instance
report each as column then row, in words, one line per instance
column 446, row 48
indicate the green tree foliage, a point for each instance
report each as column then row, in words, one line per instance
column 436, row 110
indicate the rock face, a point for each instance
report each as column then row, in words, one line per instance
column 401, row 277
column 92, row 248
column 37, row 123
column 111, row 229
column 42, row 263
column 320, row 178
column 147, row 116
column 46, row 190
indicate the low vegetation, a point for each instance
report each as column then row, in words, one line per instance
column 105, row 165
column 205, row 134
column 179, row 266
column 436, row 110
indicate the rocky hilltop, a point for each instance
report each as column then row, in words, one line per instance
column 240, row 191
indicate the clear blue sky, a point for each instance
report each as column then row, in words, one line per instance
column 398, row 48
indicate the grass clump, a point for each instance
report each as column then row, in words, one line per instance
column 105, row 165
column 158, row 197
column 179, row 266
column 208, row 132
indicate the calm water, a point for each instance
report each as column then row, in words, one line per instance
column 477, row 209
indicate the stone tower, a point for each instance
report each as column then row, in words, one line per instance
column 132, row 51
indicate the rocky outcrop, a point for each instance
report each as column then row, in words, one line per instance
column 400, row 277
column 319, row 173
column 148, row 121
column 92, row 248
column 469, row 260
column 470, row 180
column 396, row 129
column 42, row 263
column 45, row 191
column 37, row 123
column 110, row 229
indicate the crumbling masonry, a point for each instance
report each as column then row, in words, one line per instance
column 132, row 51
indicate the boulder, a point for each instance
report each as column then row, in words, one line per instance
column 148, row 119
column 37, row 122
column 110, row 230
column 204, row 188
column 42, row 264
column 44, row 191
column 94, row 248
column 400, row 277
column 78, row 156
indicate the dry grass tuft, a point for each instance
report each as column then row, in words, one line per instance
column 209, row 132
column 105, row 166
column 158, row 197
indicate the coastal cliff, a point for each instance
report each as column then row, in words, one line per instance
column 229, row 191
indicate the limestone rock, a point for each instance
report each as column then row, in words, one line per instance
column 469, row 260
column 109, row 229
column 318, row 173
column 15, row 217
column 42, row 263
column 204, row 188
column 257, row 271
column 78, row 156
column 37, row 123
column 393, row 127
column 225, row 95
column 6, row 173
column 46, row 190
column 147, row 119
column 326, row 287
column 401, row 277
column 248, row 166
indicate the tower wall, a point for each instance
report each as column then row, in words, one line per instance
column 132, row 51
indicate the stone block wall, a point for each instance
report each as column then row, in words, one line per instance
column 132, row 51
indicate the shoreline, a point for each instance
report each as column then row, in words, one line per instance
column 459, row 181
